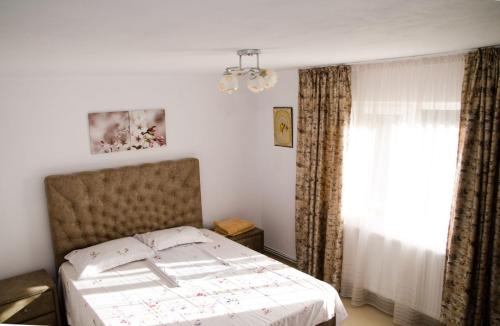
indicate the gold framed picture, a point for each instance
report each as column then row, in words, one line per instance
column 283, row 126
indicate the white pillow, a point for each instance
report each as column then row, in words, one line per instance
column 167, row 238
column 92, row 260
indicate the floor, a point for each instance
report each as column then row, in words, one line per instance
column 358, row 316
column 365, row 316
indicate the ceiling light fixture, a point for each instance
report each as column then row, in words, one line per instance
column 258, row 79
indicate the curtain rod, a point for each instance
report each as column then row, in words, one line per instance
column 439, row 54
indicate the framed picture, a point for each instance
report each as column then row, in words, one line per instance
column 283, row 126
column 147, row 128
column 109, row 132
column 126, row 130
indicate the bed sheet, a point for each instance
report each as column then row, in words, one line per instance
column 211, row 284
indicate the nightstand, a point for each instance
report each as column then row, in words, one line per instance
column 29, row 299
column 253, row 239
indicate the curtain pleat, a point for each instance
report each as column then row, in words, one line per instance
column 324, row 112
column 471, row 293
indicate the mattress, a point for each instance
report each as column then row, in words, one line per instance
column 216, row 283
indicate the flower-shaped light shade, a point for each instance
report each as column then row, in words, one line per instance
column 270, row 78
column 256, row 83
column 257, row 79
column 228, row 83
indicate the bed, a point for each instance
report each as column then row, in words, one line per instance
column 215, row 283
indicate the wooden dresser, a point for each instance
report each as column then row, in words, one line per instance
column 253, row 239
column 29, row 299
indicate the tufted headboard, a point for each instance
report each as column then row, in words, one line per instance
column 87, row 208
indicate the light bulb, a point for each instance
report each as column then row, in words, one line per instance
column 270, row 78
column 228, row 83
column 256, row 83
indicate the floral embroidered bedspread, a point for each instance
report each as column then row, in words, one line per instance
column 211, row 284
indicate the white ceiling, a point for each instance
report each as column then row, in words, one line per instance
column 156, row 36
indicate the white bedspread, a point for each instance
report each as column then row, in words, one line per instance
column 218, row 283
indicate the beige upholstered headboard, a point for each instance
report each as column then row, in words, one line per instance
column 91, row 207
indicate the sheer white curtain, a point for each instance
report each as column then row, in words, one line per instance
column 399, row 167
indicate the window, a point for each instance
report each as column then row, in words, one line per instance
column 399, row 169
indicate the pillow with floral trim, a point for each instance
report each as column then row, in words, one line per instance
column 167, row 238
column 92, row 260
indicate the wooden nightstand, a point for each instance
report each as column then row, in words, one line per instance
column 253, row 239
column 29, row 299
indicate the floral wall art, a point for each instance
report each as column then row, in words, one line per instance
column 109, row 132
column 126, row 130
column 147, row 128
column 283, row 126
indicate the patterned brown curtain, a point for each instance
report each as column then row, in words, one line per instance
column 471, row 294
column 324, row 111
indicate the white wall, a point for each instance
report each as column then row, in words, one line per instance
column 277, row 167
column 44, row 131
